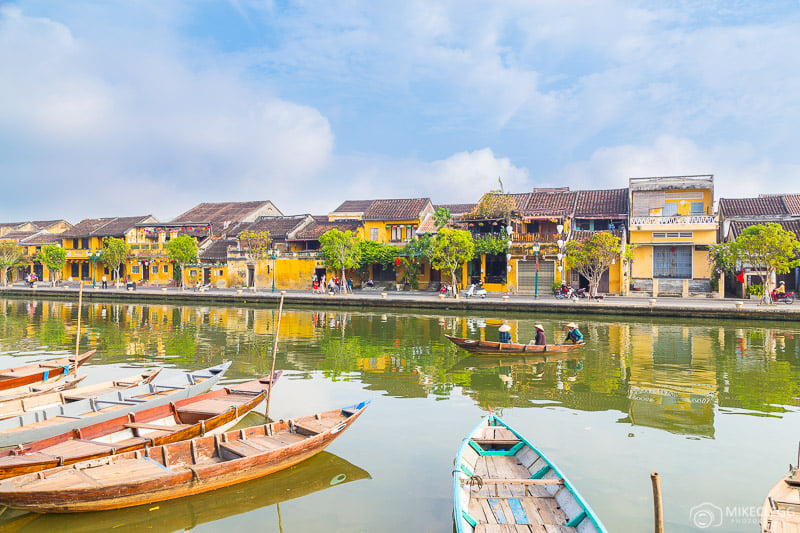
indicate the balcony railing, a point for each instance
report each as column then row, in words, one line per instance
column 659, row 221
column 534, row 237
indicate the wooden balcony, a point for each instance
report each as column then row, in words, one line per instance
column 534, row 237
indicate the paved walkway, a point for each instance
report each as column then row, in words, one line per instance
column 693, row 307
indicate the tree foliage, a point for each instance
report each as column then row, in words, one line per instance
column 12, row 255
column 372, row 252
column 491, row 244
column 768, row 248
column 341, row 250
column 493, row 205
column 450, row 249
column 442, row 218
column 410, row 259
column 182, row 250
column 115, row 252
column 592, row 258
column 54, row 258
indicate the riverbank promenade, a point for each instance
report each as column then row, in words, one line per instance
column 641, row 306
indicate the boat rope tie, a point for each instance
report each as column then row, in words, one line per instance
column 475, row 481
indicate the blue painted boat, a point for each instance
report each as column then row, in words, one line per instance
column 502, row 482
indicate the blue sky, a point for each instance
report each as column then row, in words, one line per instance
column 124, row 108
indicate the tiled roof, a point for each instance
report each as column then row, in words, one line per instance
column 105, row 227
column 520, row 201
column 43, row 237
column 557, row 203
column 455, row 209
column 221, row 215
column 11, row 224
column 353, row 206
column 602, row 203
column 583, row 235
column 44, row 224
column 17, row 235
column 316, row 229
column 737, row 226
column 217, row 249
column 760, row 206
column 278, row 227
column 428, row 225
column 396, row 209
column 792, row 202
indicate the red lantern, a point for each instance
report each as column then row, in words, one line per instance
column 397, row 262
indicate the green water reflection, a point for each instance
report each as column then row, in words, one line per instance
column 692, row 399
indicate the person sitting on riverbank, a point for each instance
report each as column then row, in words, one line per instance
column 504, row 334
column 540, row 337
column 573, row 333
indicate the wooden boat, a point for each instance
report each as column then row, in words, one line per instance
column 780, row 512
column 34, row 373
column 504, row 483
column 28, row 391
column 322, row 472
column 11, row 408
column 178, row 469
column 207, row 413
column 44, row 423
column 495, row 348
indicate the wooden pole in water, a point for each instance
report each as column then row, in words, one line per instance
column 274, row 353
column 78, row 335
column 658, row 510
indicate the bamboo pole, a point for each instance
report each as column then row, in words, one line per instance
column 658, row 510
column 274, row 353
column 78, row 335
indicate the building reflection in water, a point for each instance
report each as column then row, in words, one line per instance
column 657, row 373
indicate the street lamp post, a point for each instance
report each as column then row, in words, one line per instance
column 536, row 255
column 275, row 254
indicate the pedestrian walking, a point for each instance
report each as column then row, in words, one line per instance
column 105, row 282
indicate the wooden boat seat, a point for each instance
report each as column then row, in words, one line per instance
column 158, row 427
column 238, row 449
column 55, row 365
column 496, row 442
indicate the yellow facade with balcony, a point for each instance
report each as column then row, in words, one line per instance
column 671, row 227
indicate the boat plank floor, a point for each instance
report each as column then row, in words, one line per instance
column 76, row 447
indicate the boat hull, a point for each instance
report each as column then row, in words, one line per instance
column 500, row 480
column 12, row 378
column 175, row 470
column 38, row 425
column 498, row 348
column 781, row 506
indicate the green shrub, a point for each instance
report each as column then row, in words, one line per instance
column 755, row 289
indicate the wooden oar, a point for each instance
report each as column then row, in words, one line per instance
column 78, row 336
column 274, row 353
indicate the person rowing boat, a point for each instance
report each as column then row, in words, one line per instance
column 573, row 333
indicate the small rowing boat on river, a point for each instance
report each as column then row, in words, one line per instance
column 11, row 408
column 11, row 378
column 780, row 512
column 504, row 483
column 496, row 348
column 44, row 423
column 179, row 469
column 208, row 413
column 29, row 391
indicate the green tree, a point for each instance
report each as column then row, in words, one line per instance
column 115, row 252
column 182, row 250
column 12, row 255
column 411, row 257
column 593, row 257
column 256, row 245
column 723, row 260
column 341, row 251
column 450, row 249
column 54, row 258
column 770, row 249
column 442, row 218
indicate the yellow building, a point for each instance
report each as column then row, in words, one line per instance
column 148, row 262
column 83, row 244
column 671, row 226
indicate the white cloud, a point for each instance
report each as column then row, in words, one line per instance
column 738, row 168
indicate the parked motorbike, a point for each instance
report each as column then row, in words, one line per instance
column 564, row 292
column 786, row 297
column 475, row 290
column 582, row 293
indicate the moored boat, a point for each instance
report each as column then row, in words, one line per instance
column 19, row 406
column 495, row 348
column 207, row 413
column 178, row 469
column 504, row 483
column 11, row 378
column 29, row 391
column 44, row 423
column 780, row 512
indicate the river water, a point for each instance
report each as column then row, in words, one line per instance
column 710, row 405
